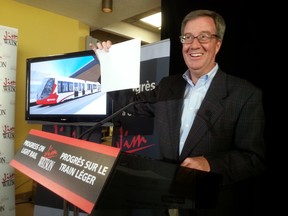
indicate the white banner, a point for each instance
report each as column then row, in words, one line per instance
column 8, row 61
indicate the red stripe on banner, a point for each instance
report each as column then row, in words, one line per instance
column 73, row 198
column 104, row 149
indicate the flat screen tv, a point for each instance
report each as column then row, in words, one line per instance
column 65, row 88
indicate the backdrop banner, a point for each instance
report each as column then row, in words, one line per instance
column 8, row 61
column 136, row 134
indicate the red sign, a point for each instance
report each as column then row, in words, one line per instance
column 74, row 169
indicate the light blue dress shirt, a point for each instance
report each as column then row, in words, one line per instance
column 193, row 97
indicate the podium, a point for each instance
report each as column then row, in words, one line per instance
column 94, row 176
column 143, row 183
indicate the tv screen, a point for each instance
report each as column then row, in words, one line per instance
column 65, row 88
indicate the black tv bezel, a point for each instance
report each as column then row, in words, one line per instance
column 70, row 119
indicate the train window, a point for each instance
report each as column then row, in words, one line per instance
column 70, row 86
column 59, row 87
column 75, row 86
column 64, row 87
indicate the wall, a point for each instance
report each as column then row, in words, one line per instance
column 41, row 33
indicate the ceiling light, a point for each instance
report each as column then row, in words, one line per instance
column 154, row 20
column 107, row 6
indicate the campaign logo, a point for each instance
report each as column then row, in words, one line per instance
column 51, row 152
column 9, row 85
column 8, row 132
column 131, row 145
column 8, row 179
column 10, row 38
column 45, row 161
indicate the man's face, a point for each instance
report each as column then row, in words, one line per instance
column 200, row 57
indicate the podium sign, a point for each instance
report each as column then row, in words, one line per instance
column 74, row 169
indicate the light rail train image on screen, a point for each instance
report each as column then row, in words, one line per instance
column 55, row 90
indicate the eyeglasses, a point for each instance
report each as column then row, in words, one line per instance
column 202, row 38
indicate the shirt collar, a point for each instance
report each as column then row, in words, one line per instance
column 205, row 77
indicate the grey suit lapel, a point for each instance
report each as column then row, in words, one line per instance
column 174, row 107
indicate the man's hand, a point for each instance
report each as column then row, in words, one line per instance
column 199, row 163
column 101, row 45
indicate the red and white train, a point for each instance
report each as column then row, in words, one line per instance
column 55, row 90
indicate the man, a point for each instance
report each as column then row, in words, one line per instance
column 206, row 119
